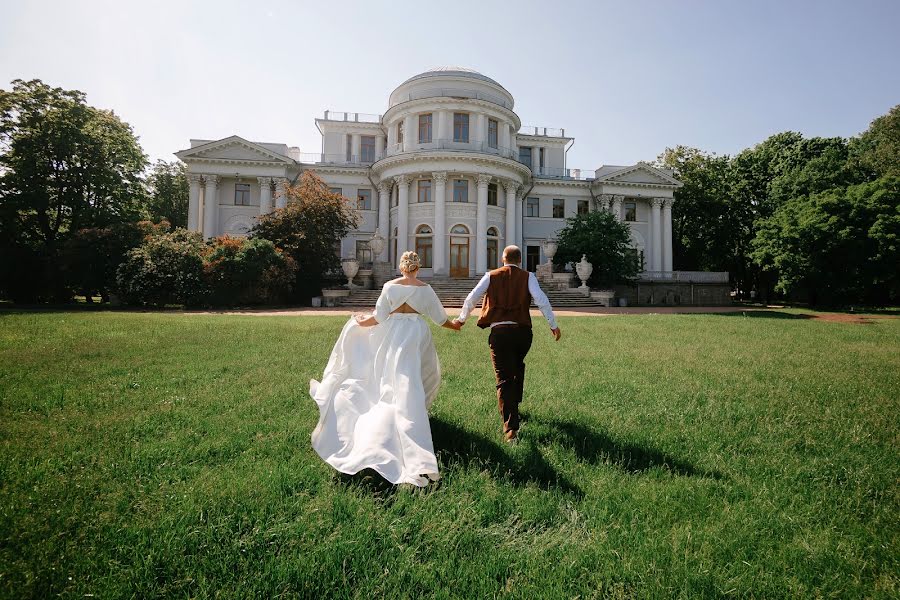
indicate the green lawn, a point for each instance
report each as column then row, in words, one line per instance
column 690, row 456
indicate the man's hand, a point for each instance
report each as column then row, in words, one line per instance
column 458, row 322
column 556, row 333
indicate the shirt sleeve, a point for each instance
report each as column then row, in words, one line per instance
column 383, row 305
column 436, row 310
column 473, row 297
column 541, row 300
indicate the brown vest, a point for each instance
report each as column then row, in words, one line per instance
column 507, row 298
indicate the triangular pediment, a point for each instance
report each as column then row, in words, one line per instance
column 641, row 173
column 234, row 148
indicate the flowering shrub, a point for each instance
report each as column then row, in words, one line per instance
column 166, row 269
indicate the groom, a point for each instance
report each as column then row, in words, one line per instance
column 508, row 292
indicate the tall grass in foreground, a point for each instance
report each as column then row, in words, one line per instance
column 693, row 456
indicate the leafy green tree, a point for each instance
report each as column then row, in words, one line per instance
column 878, row 148
column 308, row 229
column 168, row 190
column 64, row 166
column 165, row 269
column 607, row 244
column 836, row 247
column 247, row 271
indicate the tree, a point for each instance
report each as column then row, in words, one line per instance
column 878, row 148
column 247, row 271
column 64, row 166
column 168, row 193
column 836, row 247
column 607, row 244
column 165, row 269
column 308, row 229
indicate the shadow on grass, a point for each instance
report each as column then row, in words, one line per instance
column 758, row 314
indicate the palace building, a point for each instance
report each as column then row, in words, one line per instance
column 448, row 170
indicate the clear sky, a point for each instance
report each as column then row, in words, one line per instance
column 626, row 79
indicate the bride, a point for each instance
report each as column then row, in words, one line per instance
column 381, row 379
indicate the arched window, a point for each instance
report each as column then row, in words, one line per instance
column 459, row 251
column 493, row 248
column 460, row 230
column 424, row 245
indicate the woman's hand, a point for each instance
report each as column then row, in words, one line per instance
column 454, row 324
column 364, row 320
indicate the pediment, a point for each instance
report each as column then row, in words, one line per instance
column 231, row 149
column 640, row 173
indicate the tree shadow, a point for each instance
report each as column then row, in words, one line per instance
column 756, row 314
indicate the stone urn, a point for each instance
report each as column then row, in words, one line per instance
column 550, row 247
column 376, row 245
column 584, row 269
column 351, row 268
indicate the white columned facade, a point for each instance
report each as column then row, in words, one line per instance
column 481, row 225
column 520, row 233
column 210, row 206
column 617, row 206
column 384, row 217
column 510, row 233
column 656, row 235
column 356, row 148
column 194, row 203
column 478, row 129
column 379, row 146
column 439, row 249
column 410, row 132
column 265, row 195
column 667, row 234
column 402, row 182
column 444, row 127
column 280, row 184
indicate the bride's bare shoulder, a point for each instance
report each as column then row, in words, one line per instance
column 402, row 281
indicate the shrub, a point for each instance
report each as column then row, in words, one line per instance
column 166, row 269
column 247, row 271
column 607, row 243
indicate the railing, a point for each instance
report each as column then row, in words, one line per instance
column 556, row 173
column 333, row 115
column 337, row 159
column 541, row 131
column 451, row 145
column 453, row 93
column 685, row 276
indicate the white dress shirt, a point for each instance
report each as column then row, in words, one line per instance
column 537, row 294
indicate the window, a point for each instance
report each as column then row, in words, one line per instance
column 630, row 211
column 460, row 190
column 541, row 158
column 460, row 127
column 364, row 199
column 583, row 207
column 533, row 207
column 636, row 255
column 367, row 148
column 492, row 133
column 349, row 147
column 525, row 156
column 425, row 190
column 559, row 208
column 338, row 191
column 492, row 194
column 400, row 133
column 493, row 248
column 242, row 194
column 363, row 253
column 532, row 257
column 424, row 245
column 425, row 128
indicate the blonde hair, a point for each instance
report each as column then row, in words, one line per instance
column 409, row 262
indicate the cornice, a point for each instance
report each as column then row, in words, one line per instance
column 232, row 161
column 631, row 184
column 470, row 157
column 579, row 183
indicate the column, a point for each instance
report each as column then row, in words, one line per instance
column 511, row 188
column 402, row 182
column 281, row 199
column 604, row 201
column 210, row 206
column 656, row 234
column 379, row 146
column 505, row 141
column 439, row 250
column 481, row 225
column 617, row 206
column 478, row 130
column 355, row 150
column 384, row 217
column 667, row 234
column 444, row 126
column 536, row 160
column 520, row 229
column 410, row 133
column 265, row 195
column 194, row 203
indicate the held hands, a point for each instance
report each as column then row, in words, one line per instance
column 556, row 333
column 455, row 325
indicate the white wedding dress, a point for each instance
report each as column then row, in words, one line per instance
column 377, row 388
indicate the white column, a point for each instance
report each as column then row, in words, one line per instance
column 481, row 225
column 410, row 133
column 477, row 133
column 379, row 146
column 520, row 233
column 355, row 150
column 265, row 195
column 439, row 250
column 511, row 225
column 656, row 234
column 281, row 196
column 617, row 206
column 402, row 182
column 194, row 203
column 667, row 234
column 384, row 216
column 344, row 142
column 536, row 160
column 444, row 127
column 211, row 206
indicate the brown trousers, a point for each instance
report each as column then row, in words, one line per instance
column 509, row 345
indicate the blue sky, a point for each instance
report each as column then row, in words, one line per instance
column 626, row 79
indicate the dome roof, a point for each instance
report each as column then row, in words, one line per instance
column 452, row 71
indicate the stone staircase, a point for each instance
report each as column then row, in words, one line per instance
column 453, row 292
